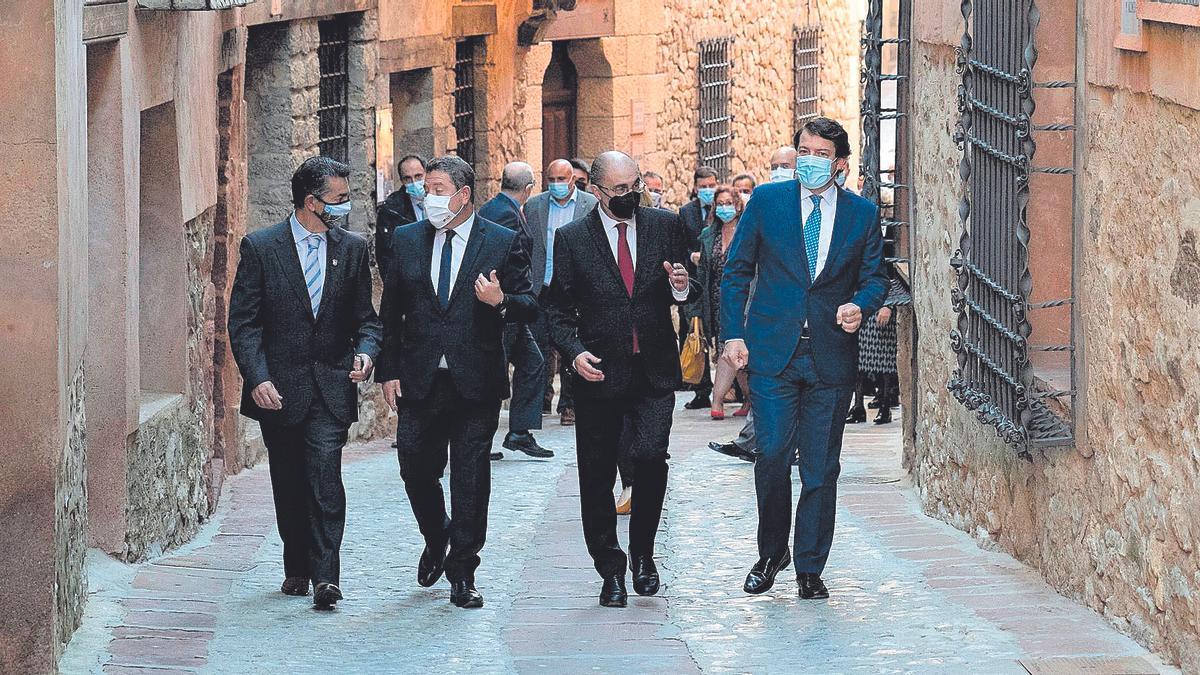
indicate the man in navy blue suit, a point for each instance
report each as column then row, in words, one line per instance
column 817, row 251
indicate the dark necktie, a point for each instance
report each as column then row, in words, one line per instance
column 625, row 265
column 443, row 289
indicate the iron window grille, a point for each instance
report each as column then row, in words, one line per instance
column 333, row 110
column 806, row 73
column 995, row 376
column 716, row 123
column 464, row 100
column 884, row 114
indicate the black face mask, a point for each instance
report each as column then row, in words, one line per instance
column 623, row 206
column 581, row 184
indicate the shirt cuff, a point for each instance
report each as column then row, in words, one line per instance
column 742, row 340
column 680, row 296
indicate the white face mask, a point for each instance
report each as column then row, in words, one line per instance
column 437, row 209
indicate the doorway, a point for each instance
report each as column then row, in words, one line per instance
column 560, row 89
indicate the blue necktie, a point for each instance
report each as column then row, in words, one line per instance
column 443, row 289
column 812, row 236
column 312, row 272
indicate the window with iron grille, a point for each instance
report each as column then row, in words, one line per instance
column 333, row 55
column 464, row 100
column 716, row 124
column 994, row 336
column 806, row 74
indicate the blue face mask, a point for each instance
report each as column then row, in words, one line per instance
column 813, row 172
column 416, row 189
column 781, row 174
column 559, row 190
column 725, row 212
column 840, row 179
column 706, row 195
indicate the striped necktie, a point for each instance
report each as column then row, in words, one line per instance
column 313, row 276
column 812, row 236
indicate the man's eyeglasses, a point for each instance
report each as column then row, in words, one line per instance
column 621, row 190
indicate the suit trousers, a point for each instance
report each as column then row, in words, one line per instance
column 444, row 426
column 639, row 424
column 524, row 345
column 310, row 501
column 794, row 409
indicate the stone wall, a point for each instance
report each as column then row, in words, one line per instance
column 762, row 80
column 1114, row 521
column 70, row 579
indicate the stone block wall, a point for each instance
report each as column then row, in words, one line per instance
column 1114, row 521
column 70, row 580
column 761, row 99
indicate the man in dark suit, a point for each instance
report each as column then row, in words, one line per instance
column 304, row 333
column 696, row 214
column 617, row 272
column 562, row 202
column 457, row 279
column 520, row 347
column 404, row 206
column 817, row 253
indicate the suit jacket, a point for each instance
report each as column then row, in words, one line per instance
column 417, row 332
column 591, row 311
column 504, row 210
column 693, row 221
column 537, row 213
column 769, row 239
column 274, row 336
column 395, row 211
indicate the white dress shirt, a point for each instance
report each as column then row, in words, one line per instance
column 458, row 246
column 614, row 238
column 301, row 236
column 557, row 216
column 828, row 214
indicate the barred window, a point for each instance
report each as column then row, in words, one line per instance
column 333, row 108
column 464, row 100
column 1014, row 337
column 806, row 73
column 716, row 124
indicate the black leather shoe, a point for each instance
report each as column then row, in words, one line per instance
column 496, row 456
column 811, row 587
column 325, row 596
column 524, row 442
column 698, row 401
column 464, row 595
column 733, row 450
column 431, row 565
column 874, row 403
column 884, row 416
column 294, row 586
column 857, row 415
column 645, row 575
column 762, row 576
column 612, row 593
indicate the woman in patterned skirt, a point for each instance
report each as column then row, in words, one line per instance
column 710, row 265
column 877, row 357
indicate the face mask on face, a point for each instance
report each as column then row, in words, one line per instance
column 745, row 197
column 706, row 195
column 416, row 189
column 656, row 199
column 437, row 208
column 560, row 190
column 725, row 212
column 332, row 212
column 840, row 179
column 781, row 174
column 622, row 207
column 812, row 171
column 581, row 184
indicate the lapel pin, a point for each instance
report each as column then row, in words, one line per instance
column 335, row 262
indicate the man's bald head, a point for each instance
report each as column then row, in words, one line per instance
column 784, row 158
column 516, row 181
column 613, row 167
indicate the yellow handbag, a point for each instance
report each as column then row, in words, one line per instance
column 694, row 354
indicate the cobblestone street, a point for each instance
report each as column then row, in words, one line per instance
column 909, row 593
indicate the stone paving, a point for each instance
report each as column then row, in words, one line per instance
column 909, row 593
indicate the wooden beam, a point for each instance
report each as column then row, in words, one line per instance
column 105, row 22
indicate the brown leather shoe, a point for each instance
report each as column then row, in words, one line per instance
column 295, row 586
column 625, row 501
column 567, row 419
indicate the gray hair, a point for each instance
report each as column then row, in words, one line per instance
column 606, row 161
column 461, row 173
column 516, row 177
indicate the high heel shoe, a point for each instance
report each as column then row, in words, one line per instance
column 717, row 415
column 858, row 414
column 742, row 411
column 884, row 416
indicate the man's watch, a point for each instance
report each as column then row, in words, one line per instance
column 503, row 307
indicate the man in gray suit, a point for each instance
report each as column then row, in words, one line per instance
column 560, row 204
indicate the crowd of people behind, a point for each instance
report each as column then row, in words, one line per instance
column 592, row 280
